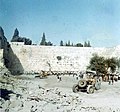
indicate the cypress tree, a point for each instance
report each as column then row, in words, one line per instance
column 43, row 41
column 15, row 36
column 61, row 43
column 85, row 44
column 88, row 45
column 16, row 33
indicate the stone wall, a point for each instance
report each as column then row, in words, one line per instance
column 1, row 59
column 31, row 58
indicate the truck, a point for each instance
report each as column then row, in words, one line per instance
column 88, row 83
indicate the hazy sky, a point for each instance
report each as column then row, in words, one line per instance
column 74, row 20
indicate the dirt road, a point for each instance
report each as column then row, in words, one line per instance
column 52, row 95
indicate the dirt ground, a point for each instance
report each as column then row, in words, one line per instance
column 51, row 95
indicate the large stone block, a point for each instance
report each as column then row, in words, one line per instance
column 31, row 58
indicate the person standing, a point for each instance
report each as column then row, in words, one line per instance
column 112, row 79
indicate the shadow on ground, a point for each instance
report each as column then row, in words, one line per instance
column 5, row 94
column 13, row 63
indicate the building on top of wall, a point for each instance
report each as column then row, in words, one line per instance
column 17, row 43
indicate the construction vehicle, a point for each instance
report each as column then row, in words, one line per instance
column 89, row 83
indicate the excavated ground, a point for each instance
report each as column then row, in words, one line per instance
column 26, row 93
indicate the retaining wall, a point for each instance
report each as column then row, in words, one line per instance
column 1, row 59
column 31, row 58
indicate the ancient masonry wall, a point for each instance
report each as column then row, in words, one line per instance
column 1, row 59
column 33, row 58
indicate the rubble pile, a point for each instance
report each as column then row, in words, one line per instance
column 29, row 95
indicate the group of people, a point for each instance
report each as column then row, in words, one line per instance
column 111, row 79
column 110, row 76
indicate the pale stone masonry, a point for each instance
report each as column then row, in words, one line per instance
column 1, row 59
column 34, row 58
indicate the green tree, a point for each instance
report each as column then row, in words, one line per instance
column 26, row 41
column 72, row 44
column 118, row 63
column 97, row 64
column 88, row 45
column 15, row 37
column 85, row 44
column 43, row 41
column 61, row 43
column 111, row 63
column 49, row 43
column 79, row 45
column 68, row 43
column 101, row 65
column 16, row 33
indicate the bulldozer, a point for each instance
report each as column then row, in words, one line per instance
column 89, row 83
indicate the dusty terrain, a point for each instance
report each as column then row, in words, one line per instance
column 26, row 93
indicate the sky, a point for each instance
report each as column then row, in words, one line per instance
column 97, row 21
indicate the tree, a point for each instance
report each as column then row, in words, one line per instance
column 79, row 45
column 101, row 65
column 118, row 63
column 26, row 41
column 68, row 43
column 97, row 64
column 49, row 43
column 15, row 36
column 43, row 41
column 85, row 44
column 111, row 63
column 16, row 33
column 61, row 43
column 88, row 45
column 72, row 44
